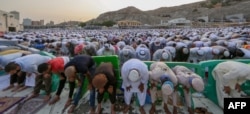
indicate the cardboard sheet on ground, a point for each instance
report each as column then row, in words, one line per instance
column 4, row 81
column 30, row 80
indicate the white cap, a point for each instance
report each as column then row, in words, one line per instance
column 167, row 88
column 226, row 53
column 133, row 76
column 142, row 52
column 185, row 50
column 164, row 55
column 106, row 45
column 87, row 46
column 172, row 50
column 125, row 51
column 197, row 84
column 216, row 51
column 200, row 52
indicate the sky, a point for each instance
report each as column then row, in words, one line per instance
column 79, row 10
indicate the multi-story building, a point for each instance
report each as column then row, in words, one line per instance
column 27, row 22
column 16, row 14
column 129, row 24
column 9, row 22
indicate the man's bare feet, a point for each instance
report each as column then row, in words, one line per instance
column 47, row 98
column 166, row 109
column 99, row 109
column 22, row 88
column 68, row 103
column 92, row 111
column 112, row 109
column 17, row 88
column 72, row 109
column 126, row 109
column 152, row 109
column 190, row 110
column 32, row 96
column 7, row 88
column 175, row 110
column 54, row 100
column 142, row 111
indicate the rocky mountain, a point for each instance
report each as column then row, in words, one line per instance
column 189, row 11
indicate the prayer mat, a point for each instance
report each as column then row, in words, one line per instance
column 29, row 107
column 7, row 102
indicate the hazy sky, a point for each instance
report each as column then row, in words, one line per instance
column 79, row 10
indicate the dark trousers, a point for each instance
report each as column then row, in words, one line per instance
column 18, row 79
column 43, row 83
column 61, row 84
column 77, row 97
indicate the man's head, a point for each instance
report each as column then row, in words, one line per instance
column 12, row 68
column 125, row 52
column 99, row 81
column 197, row 84
column 164, row 55
column 134, row 75
column 44, row 68
column 167, row 88
column 164, row 78
column 106, row 46
column 70, row 72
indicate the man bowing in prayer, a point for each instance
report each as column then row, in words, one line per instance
column 135, row 76
column 104, row 80
column 188, row 79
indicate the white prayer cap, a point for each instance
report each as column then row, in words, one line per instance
column 106, row 45
column 142, row 52
column 167, row 88
column 125, row 51
column 216, row 51
column 164, row 55
column 200, row 52
column 226, row 53
column 134, row 75
column 197, row 84
column 185, row 50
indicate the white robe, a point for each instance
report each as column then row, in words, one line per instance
column 144, row 73
column 229, row 73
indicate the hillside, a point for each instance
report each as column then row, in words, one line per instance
column 189, row 11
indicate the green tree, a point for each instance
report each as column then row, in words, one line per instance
column 82, row 24
column 108, row 23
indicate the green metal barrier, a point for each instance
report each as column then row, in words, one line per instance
column 47, row 54
column 113, row 59
column 210, row 86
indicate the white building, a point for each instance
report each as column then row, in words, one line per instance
column 8, row 22
column 179, row 21
column 236, row 18
column 16, row 14
column 27, row 22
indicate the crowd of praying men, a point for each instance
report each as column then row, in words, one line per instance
column 73, row 62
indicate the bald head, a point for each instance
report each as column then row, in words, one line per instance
column 99, row 81
column 70, row 71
